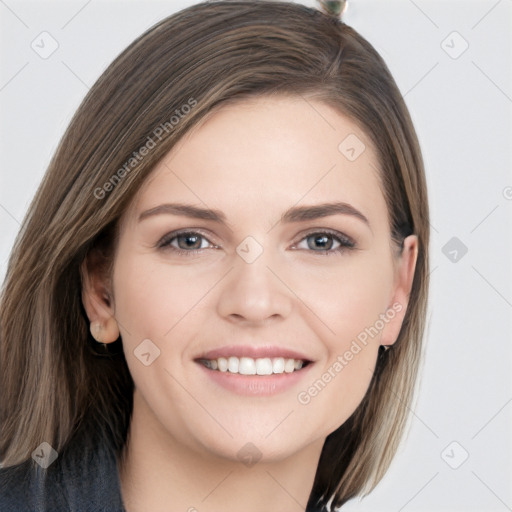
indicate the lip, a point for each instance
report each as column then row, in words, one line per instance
column 256, row 385
column 254, row 352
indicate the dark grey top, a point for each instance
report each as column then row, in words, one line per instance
column 81, row 479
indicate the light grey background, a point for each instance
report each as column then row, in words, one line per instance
column 461, row 103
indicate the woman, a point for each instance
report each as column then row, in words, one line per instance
column 217, row 299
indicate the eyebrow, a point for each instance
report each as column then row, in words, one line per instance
column 294, row 214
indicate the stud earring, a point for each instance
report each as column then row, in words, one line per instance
column 99, row 348
column 96, row 329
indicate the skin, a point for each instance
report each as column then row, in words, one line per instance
column 252, row 160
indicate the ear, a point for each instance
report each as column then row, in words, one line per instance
column 404, row 274
column 98, row 300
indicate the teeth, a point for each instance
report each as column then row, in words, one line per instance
column 233, row 364
column 264, row 366
column 247, row 366
column 222, row 363
column 278, row 365
column 250, row 366
column 289, row 365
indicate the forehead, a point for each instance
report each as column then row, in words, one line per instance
column 273, row 151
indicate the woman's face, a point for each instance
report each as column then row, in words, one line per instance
column 230, row 251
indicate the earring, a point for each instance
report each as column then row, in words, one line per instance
column 385, row 348
column 99, row 348
column 96, row 329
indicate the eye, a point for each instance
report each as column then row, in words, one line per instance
column 185, row 242
column 326, row 242
column 188, row 243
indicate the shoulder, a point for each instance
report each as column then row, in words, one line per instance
column 84, row 477
column 15, row 488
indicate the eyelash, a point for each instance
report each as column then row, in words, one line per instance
column 345, row 242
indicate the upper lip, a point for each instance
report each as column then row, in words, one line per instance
column 255, row 352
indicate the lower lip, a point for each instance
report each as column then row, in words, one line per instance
column 256, row 385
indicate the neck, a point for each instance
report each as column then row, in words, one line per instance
column 159, row 473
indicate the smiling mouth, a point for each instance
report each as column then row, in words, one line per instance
column 250, row 366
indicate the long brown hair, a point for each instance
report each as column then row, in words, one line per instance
column 52, row 382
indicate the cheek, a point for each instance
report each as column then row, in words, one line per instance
column 159, row 302
column 349, row 301
column 348, row 296
column 151, row 297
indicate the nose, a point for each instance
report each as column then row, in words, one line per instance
column 253, row 293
